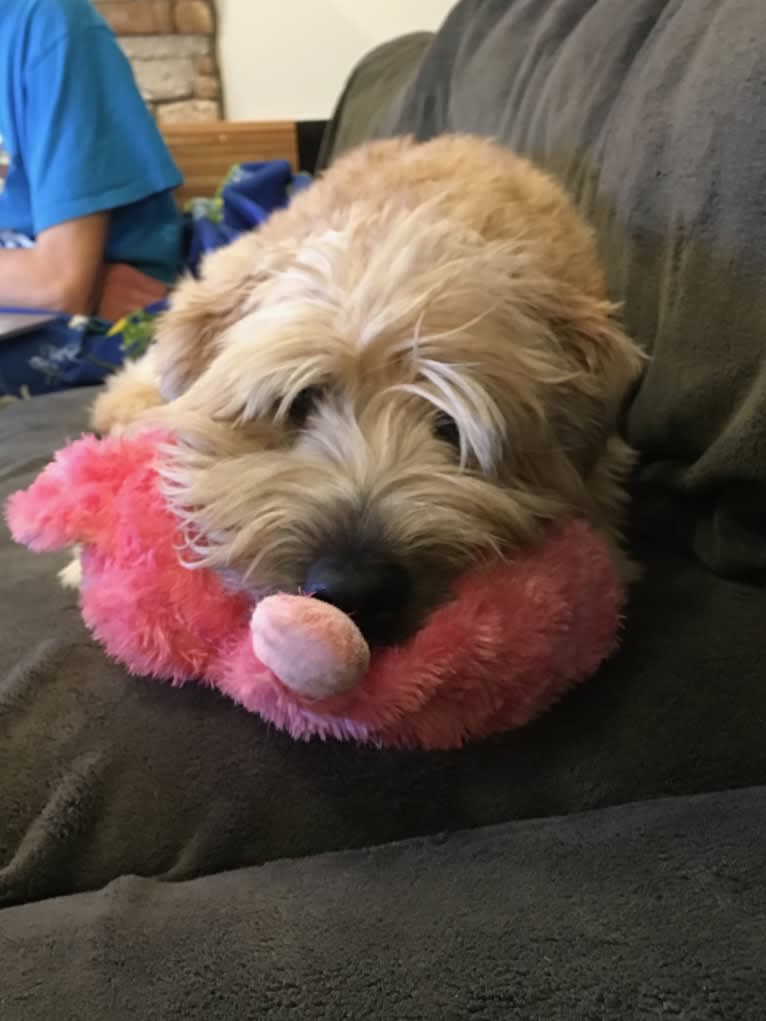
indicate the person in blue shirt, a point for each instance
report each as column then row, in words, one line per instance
column 88, row 178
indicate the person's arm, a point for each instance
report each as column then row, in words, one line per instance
column 88, row 147
column 62, row 272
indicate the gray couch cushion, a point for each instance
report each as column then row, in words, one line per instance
column 381, row 78
column 652, row 115
column 639, row 913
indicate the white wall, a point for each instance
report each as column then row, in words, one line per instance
column 289, row 58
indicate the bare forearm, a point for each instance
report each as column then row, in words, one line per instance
column 63, row 270
column 20, row 282
column 28, row 278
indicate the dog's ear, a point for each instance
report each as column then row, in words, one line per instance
column 605, row 366
column 200, row 311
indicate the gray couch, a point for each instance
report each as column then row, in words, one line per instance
column 164, row 854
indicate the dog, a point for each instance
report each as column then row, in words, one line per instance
column 413, row 367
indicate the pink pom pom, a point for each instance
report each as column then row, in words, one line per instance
column 313, row 648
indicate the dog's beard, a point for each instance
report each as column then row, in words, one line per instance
column 264, row 501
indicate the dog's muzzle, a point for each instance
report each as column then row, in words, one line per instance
column 372, row 589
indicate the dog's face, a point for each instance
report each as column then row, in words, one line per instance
column 362, row 414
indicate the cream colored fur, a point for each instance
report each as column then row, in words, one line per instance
column 418, row 353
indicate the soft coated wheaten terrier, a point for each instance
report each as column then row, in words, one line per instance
column 412, row 367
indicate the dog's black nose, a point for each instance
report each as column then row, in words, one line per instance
column 372, row 589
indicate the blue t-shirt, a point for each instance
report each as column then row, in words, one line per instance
column 78, row 136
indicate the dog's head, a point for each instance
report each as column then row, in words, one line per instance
column 363, row 410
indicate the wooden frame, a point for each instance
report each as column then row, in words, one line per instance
column 205, row 152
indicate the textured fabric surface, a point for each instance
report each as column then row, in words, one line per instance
column 643, row 912
column 102, row 774
column 650, row 112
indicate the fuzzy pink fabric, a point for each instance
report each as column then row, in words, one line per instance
column 514, row 638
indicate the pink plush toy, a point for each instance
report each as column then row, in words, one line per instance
column 512, row 639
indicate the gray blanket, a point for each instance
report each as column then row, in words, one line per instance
column 630, row 914
column 652, row 115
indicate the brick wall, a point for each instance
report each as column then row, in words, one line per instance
column 171, row 45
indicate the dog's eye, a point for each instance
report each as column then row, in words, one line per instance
column 302, row 406
column 446, row 430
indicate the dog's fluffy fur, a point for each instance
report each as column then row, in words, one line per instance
column 418, row 354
